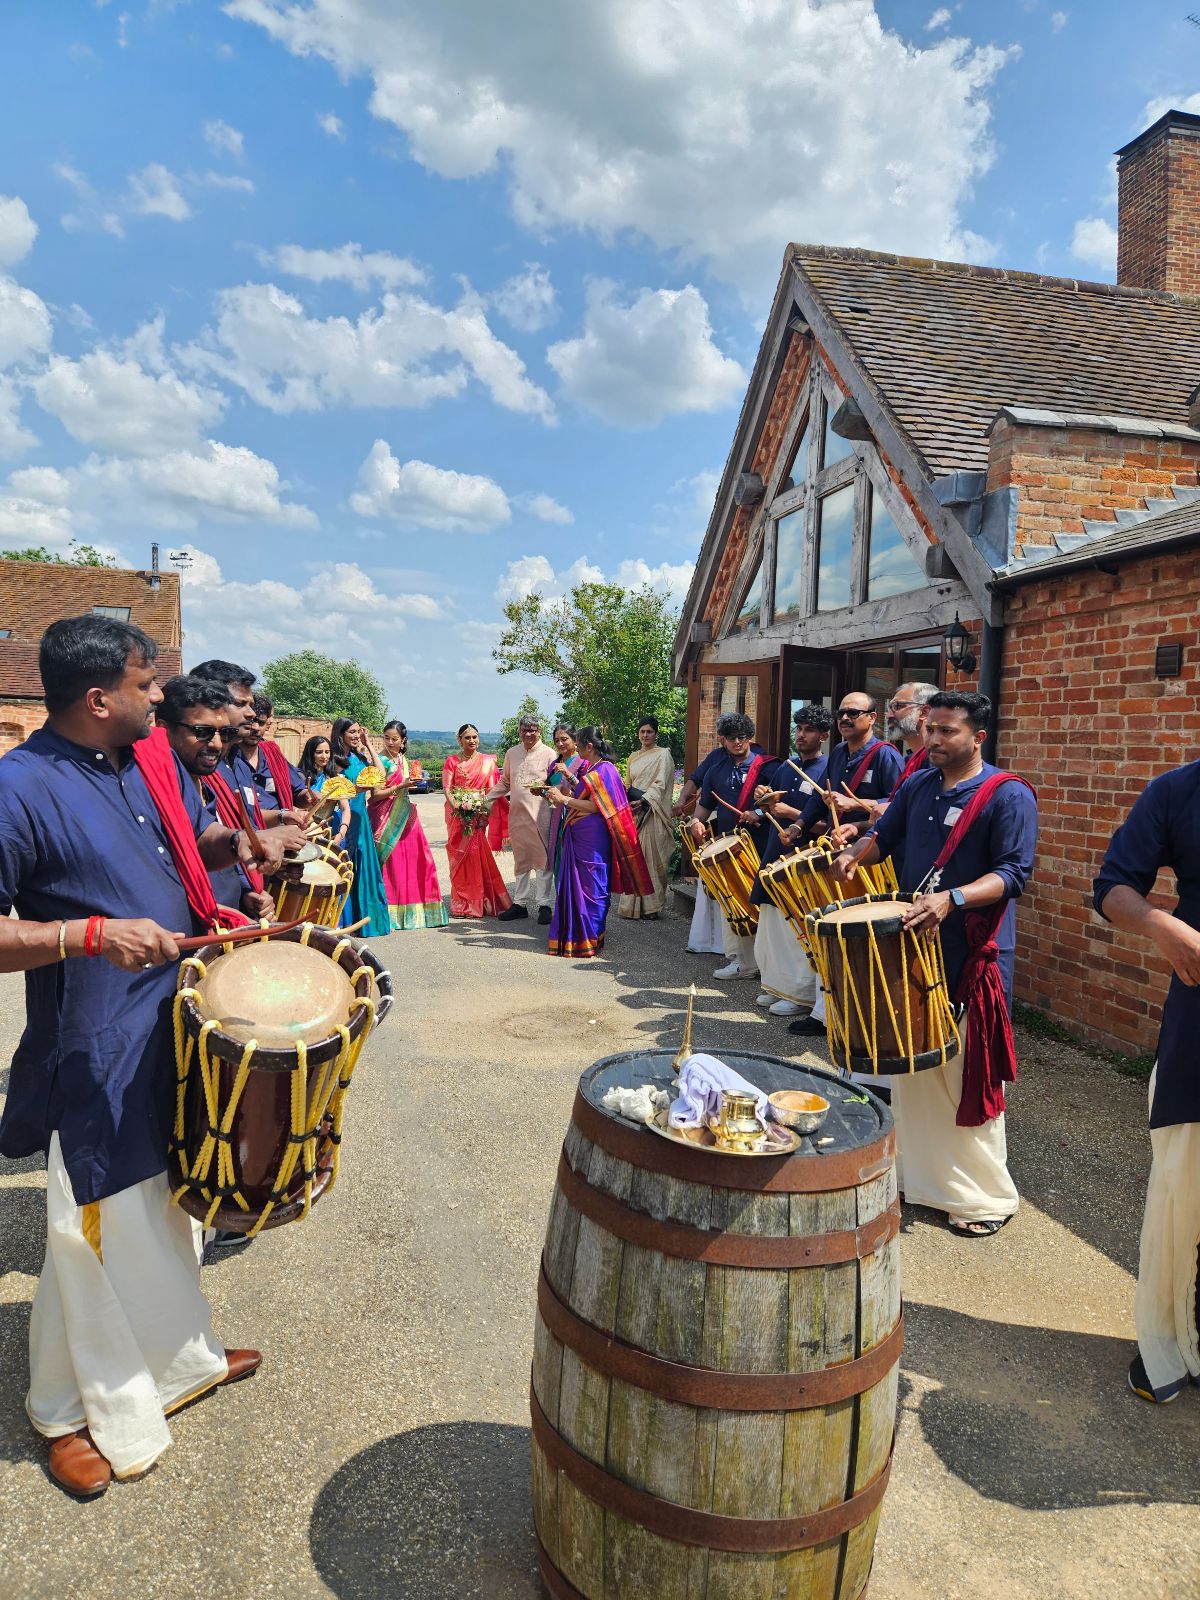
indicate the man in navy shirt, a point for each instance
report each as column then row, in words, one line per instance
column 1163, row 831
column 862, row 762
column 953, row 1154
column 727, row 803
column 250, row 760
column 789, row 984
column 119, row 1330
column 238, row 773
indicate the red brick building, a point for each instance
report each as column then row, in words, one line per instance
column 925, row 439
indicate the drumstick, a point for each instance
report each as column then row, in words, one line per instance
column 256, row 844
column 255, row 931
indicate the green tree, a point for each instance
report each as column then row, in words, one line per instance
column 82, row 555
column 608, row 650
column 308, row 684
column 510, row 728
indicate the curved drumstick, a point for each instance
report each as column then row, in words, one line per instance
column 256, row 845
column 254, row 931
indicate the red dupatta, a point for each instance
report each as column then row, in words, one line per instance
column 915, row 763
column 277, row 766
column 989, row 1052
column 230, row 814
column 156, row 762
column 746, row 793
column 629, row 864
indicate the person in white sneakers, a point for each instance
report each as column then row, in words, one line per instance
column 727, row 802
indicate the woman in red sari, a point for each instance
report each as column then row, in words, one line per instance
column 476, row 887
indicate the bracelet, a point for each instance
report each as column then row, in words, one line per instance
column 93, row 938
column 233, row 842
column 62, row 941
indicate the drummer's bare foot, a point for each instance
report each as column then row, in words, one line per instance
column 241, row 1364
column 78, row 1467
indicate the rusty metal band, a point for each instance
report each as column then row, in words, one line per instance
column 716, row 1247
column 815, row 1174
column 707, row 1386
column 708, row 1530
column 560, row 1588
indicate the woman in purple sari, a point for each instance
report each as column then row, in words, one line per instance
column 600, row 850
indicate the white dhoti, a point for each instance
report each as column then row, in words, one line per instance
column 1164, row 1304
column 533, row 890
column 781, row 959
column 737, row 947
column 705, row 936
column 961, row 1171
column 119, row 1332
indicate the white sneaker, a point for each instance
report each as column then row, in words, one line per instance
column 786, row 1008
column 763, row 999
column 734, row 969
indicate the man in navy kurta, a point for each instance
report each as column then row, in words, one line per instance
column 962, row 1170
column 725, row 805
column 1163, row 831
column 250, row 764
column 861, row 762
column 119, row 1331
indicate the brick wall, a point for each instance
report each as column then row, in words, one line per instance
column 18, row 719
column 1064, row 475
column 1086, row 721
column 1158, row 207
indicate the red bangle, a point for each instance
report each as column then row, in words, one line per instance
column 94, row 929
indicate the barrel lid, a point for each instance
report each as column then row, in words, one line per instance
column 855, row 1137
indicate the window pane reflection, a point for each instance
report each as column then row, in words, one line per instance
column 789, row 565
column 750, row 614
column 891, row 567
column 835, row 447
column 835, row 540
column 798, row 471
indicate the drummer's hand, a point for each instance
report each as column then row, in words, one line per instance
column 928, row 912
column 132, row 943
column 845, row 833
column 289, row 836
column 273, row 844
column 843, row 867
column 698, row 831
column 761, row 790
column 257, row 903
column 792, row 834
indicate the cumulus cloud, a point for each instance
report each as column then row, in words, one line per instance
column 1170, row 102
column 219, row 136
column 417, row 495
column 1095, row 241
column 25, row 520
column 1058, row 21
column 113, row 403
column 536, row 575
column 155, row 192
column 25, row 327
column 939, row 19
column 15, row 438
column 349, row 263
column 545, row 508
column 727, row 131
column 404, row 352
column 18, row 230
column 331, row 125
column 650, row 357
column 227, row 180
column 527, row 300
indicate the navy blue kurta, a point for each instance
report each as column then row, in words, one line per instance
column 917, row 824
column 256, row 783
column 886, row 766
column 725, row 780
column 1163, row 830
column 797, row 788
column 96, row 1060
column 710, row 761
column 229, row 883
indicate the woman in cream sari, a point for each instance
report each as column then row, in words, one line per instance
column 651, row 771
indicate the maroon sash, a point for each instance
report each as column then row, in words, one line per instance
column 230, row 814
column 989, row 1053
column 915, row 763
column 277, row 765
column 747, row 789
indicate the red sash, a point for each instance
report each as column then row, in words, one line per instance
column 277, row 765
column 864, row 767
column 156, row 762
column 230, row 814
column 989, row 1053
column 747, row 789
column 915, row 763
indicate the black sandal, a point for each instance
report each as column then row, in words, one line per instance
column 981, row 1229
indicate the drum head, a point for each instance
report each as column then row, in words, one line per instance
column 853, row 917
column 728, row 844
column 277, row 992
column 321, row 872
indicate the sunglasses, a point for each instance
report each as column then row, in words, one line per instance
column 204, row 734
column 852, row 716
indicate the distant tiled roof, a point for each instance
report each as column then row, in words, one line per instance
column 20, row 680
column 947, row 345
column 34, row 594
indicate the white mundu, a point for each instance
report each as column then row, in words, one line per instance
column 103, row 1352
column 783, row 966
column 534, row 883
column 961, row 1171
column 705, row 936
column 1164, row 1303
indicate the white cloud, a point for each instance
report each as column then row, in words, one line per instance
column 15, row 438
column 718, row 131
column 1095, row 241
column 536, row 575
column 404, row 352
column 25, row 521
column 331, row 125
column 25, row 328
column 417, row 495
column 93, row 212
column 349, row 263
column 652, row 357
column 155, row 192
column 527, row 300
column 1170, row 102
column 227, row 180
column 112, row 403
column 219, row 136
column 939, row 19
column 18, row 230
column 545, row 508
column 1058, row 21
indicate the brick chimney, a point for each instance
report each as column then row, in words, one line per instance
column 1158, row 206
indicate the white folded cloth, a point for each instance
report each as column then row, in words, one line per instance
column 701, row 1081
column 638, row 1105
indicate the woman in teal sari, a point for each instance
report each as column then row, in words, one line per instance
column 352, row 754
column 563, row 773
column 410, row 880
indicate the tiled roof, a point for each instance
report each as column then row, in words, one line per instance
column 34, row 594
column 947, row 345
column 20, row 679
column 1164, row 523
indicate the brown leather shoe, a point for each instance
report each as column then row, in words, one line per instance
column 241, row 1364
column 77, row 1466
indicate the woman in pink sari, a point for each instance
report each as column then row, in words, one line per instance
column 476, row 887
column 410, row 880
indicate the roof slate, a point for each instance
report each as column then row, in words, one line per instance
column 33, row 594
column 20, row 679
column 947, row 345
column 1178, row 526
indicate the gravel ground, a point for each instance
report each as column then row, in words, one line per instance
column 383, row 1448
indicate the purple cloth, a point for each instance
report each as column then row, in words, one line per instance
column 701, row 1080
column 582, row 885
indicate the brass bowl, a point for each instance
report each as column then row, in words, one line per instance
column 798, row 1109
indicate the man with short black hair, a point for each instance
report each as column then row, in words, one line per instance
column 104, row 844
column 862, row 767
column 275, row 782
column 237, row 773
column 964, row 834
column 727, row 803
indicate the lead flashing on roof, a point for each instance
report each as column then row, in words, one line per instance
column 1142, row 427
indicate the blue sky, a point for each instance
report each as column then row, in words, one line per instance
column 387, row 311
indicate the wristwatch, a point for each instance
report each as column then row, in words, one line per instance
column 958, row 899
column 234, row 837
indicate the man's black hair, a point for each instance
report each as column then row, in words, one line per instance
column 814, row 716
column 977, row 707
column 188, row 690
column 225, row 672
column 735, row 725
column 81, row 653
column 264, row 706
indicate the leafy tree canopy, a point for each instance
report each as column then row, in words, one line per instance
column 309, row 684
column 82, row 555
column 608, row 650
column 510, row 728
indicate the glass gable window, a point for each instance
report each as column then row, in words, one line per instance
column 798, row 470
column 750, row 611
column 789, row 565
column 835, row 549
column 834, row 447
column 891, row 568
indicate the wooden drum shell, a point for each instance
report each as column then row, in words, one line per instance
column 715, row 1367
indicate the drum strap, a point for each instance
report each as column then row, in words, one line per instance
column 227, row 809
column 864, row 766
column 157, row 764
column 747, row 789
column 915, row 763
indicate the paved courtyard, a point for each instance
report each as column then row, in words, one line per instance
column 383, row 1448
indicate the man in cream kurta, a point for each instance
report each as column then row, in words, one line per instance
column 533, row 889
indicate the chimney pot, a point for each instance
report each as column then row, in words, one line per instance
column 1158, row 204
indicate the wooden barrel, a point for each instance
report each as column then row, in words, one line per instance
column 716, row 1353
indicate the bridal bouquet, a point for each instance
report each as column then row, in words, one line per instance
column 472, row 807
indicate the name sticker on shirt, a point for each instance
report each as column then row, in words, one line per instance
column 806, row 787
column 248, row 791
column 952, row 816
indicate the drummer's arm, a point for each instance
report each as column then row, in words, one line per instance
column 219, row 846
column 929, row 911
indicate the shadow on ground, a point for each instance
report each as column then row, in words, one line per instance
column 439, row 1513
column 22, row 1229
column 18, row 1441
column 1041, row 1418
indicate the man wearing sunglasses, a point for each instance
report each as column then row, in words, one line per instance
column 861, row 767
